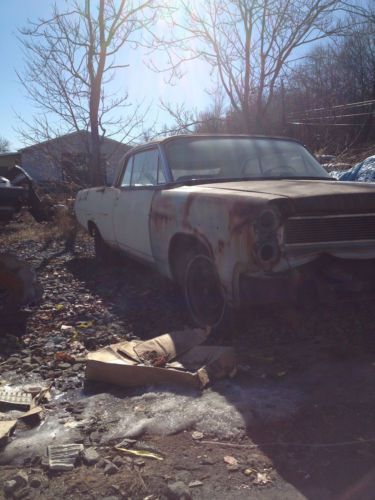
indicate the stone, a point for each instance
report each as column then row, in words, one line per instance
column 35, row 482
column 178, row 491
column 207, row 461
column 95, row 437
column 110, row 469
column 102, row 463
column 64, row 366
column 21, row 479
column 10, row 487
column 118, row 461
column 23, row 493
column 233, row 467
column 90, row 456
column 13, row 360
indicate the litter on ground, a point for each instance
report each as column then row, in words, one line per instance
column 172, row 358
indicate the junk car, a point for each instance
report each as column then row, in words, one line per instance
column 236, row 220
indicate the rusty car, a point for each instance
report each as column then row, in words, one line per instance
column 236, row 220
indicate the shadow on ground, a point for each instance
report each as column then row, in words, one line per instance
column 326, row 449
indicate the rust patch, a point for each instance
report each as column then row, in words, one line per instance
column 240, row 214
column 162, row 213
column 161, row 220
column 220, row 246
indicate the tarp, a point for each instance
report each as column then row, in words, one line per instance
column 361, row 172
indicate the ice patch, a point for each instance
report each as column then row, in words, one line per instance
column 224, row 411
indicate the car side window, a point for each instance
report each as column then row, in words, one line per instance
column 145, row 168
column 127, row 173
column 161, row 176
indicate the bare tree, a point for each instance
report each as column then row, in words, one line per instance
column 366, row 10
column 249, row 44
column 70, row 62
column 4, row 144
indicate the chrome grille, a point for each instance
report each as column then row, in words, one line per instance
column 319, row 229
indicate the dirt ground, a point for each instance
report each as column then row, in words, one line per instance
column 296, row 422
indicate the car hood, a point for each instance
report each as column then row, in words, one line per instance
column 309, row 195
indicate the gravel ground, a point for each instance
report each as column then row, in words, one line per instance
column 296, row 422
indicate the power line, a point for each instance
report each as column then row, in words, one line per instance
column 326, row 124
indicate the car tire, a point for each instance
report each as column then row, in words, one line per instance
column 102, row 250
column 204, row 296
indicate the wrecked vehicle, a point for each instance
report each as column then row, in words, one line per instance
column 18, row 282
column 236, row 220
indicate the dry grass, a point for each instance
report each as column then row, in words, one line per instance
column 62, row 228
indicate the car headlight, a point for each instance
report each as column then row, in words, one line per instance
column 267, row 247
column 268, row 220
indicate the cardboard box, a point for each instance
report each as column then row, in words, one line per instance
column 173, row 358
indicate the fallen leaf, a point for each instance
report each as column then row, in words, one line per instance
column 248, row 472
column 262, row 478
column 84, row 324
column 194, row 484
column 230, row 460
column 197, row 435
column 61, row 356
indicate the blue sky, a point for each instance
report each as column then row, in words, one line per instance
column 141, row 83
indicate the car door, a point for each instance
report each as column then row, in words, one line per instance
column 143, row 174
column 101, row 207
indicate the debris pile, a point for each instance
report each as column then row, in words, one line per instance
column 20, row 405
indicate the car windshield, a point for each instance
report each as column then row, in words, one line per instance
column 239, row 158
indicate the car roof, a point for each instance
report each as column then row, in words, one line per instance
column 209, row 136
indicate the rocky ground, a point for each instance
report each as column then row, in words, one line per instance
column 296, row 422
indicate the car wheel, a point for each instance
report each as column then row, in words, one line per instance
column 203, row 293
column 102, row 251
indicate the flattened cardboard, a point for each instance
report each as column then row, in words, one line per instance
column 6, row 428
column 195, row 366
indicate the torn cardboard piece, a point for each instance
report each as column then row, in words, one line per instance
column 184, row 361
column 6, row 428
column 25, row 399
column 33, row 416
column 15, row 399
column 64, row 456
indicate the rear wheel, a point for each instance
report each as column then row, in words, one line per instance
column 203, row 293
column 102, row 250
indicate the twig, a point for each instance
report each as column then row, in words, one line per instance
column 302, row 445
